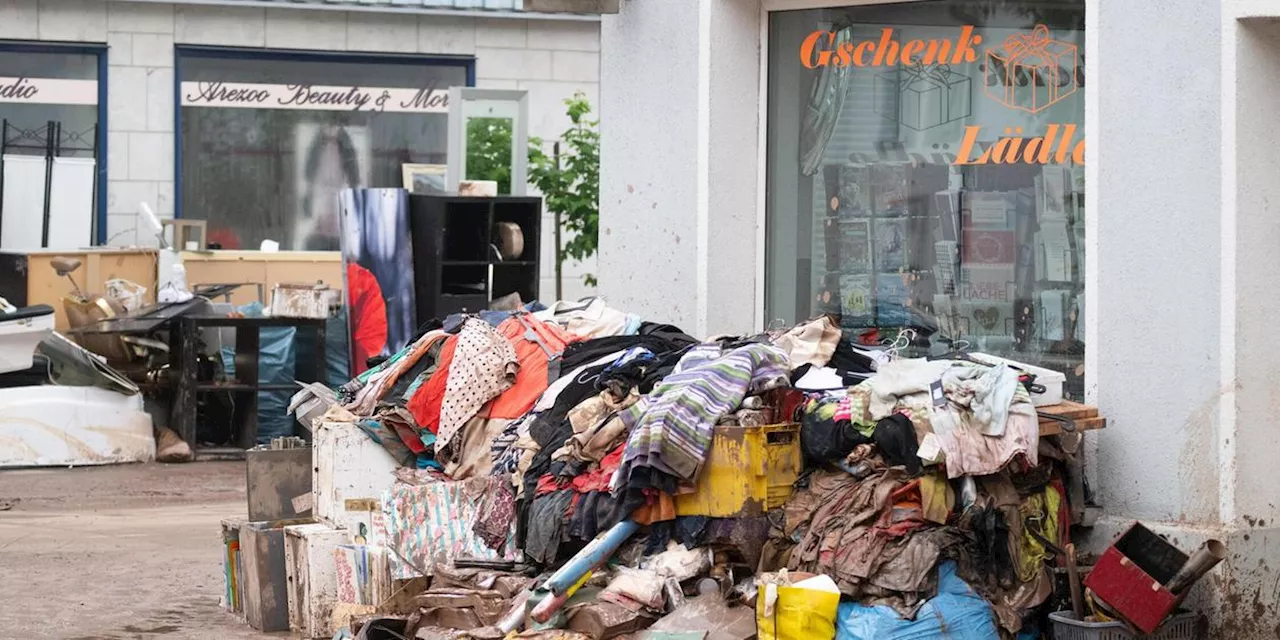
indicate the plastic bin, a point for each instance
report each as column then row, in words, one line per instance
column 1182, row 626
column 749, row 471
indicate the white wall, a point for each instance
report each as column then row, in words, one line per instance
column 551, row 59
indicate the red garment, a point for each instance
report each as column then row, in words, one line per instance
column 425, row 403
column 531, row 379
column 368, row 316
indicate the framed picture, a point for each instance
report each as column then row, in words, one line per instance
column 424, row 178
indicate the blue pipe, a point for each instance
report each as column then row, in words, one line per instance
column 591, row 556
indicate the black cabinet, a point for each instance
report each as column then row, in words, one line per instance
column 456, row 259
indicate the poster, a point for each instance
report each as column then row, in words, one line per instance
column 375, row 242
column 327, row 159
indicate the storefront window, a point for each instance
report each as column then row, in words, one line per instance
column 268, row 139
column 925, row 172
column 51, row 147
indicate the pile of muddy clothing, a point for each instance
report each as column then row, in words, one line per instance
column 567, row 452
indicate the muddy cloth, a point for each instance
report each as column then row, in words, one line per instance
column 382, row 433
column 484, row 366
column 850, row 536
column 546, row 527
column 474, row 443
column 671, row 427
column 497, row 511
column 847, row 358
column 551, row 429
column 811, row 343
column 823, row 437
column 895, row 437
column 538, row 346
column 415, row 376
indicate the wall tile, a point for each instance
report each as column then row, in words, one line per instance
column 140, row 17
column 152, row 50
column 151, row 157
column 118, row 156
column 513, row 64
column 119, row 49
column 564, row 35
column 388, row 32
column 446, row 34
column 73, row 20
column 575, row 66
column 307, row 29
column 126, row 87
column 502, row 33
column 160, row 100
column 124, row 196
column 220, row 25
column 20, row 19
column 547, row 118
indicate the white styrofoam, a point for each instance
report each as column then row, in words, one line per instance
column 312, row 577
column 1051, row 380
column 347, row 465
column 72, row 426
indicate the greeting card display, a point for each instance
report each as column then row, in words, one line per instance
column 855, row 190
column 855, row 245
column 920, row 97
column 892, row 300
column 889, row 188
column 891, row 244
column 856, row 296
column 1031, row 72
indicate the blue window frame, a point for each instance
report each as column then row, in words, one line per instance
column 256, row 170
column 99, row 53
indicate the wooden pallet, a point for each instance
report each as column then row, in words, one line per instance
column 1085, row 416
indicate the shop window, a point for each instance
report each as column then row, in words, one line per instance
column 51, row 147
column 925, row 172
column 268, row 138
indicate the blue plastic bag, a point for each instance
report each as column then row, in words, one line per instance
column 276, row 357
column 956, row 613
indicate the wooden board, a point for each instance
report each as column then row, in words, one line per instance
column 45, row 286
column 265, row 268
column 1085, row 417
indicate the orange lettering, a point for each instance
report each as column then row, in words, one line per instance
column 860, row 54
column 965, row 46
column 844, row 56
column 1077, row 154
column 1064, row 147
column 1006, row 149
column 965, row 154
column 937, row 52
column 909, row 51
column 888, row 49
column 807, row 50
column 1039, row 148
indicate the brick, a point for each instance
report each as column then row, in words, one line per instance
column 151, row 157
column 220, row 25
column 140, row 17
column 118, row 157
column 446, row 35
column 575, row 66
column 381, row 32
column 20, row 19
column 152, row 50
column 307, row 29
column 164, row 206
column 564, row 35
column 513, row 64
column 73, row 20
column 497, row 33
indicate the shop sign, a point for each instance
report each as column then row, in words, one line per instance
column 48, row 91
column 244, row 95
column 1027, row 72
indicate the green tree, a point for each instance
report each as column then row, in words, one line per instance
column 569, row 179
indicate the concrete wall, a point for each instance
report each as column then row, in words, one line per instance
column 551, row 59
column 678, row 183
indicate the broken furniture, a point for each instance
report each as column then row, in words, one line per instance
column 27, row 278
column 184, row 351
column 278, row 480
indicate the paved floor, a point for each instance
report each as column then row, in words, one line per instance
column 117, row 553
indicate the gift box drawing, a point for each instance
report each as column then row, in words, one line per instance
column 1031, row 72
column 920, row 97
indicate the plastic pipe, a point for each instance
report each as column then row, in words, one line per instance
column 591, row 556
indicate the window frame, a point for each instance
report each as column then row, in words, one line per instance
column 99, row 51
column 182, row 52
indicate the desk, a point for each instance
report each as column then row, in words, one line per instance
column 184, row 348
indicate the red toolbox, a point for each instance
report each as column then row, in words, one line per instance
column 1131, row 574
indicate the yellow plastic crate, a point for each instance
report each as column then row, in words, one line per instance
column 749, row 471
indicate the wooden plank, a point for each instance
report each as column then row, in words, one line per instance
column 1069, row 409
column 1053, row 427
column 44, row 286
column 267, row 269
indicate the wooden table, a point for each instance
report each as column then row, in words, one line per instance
column 1085, row 417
